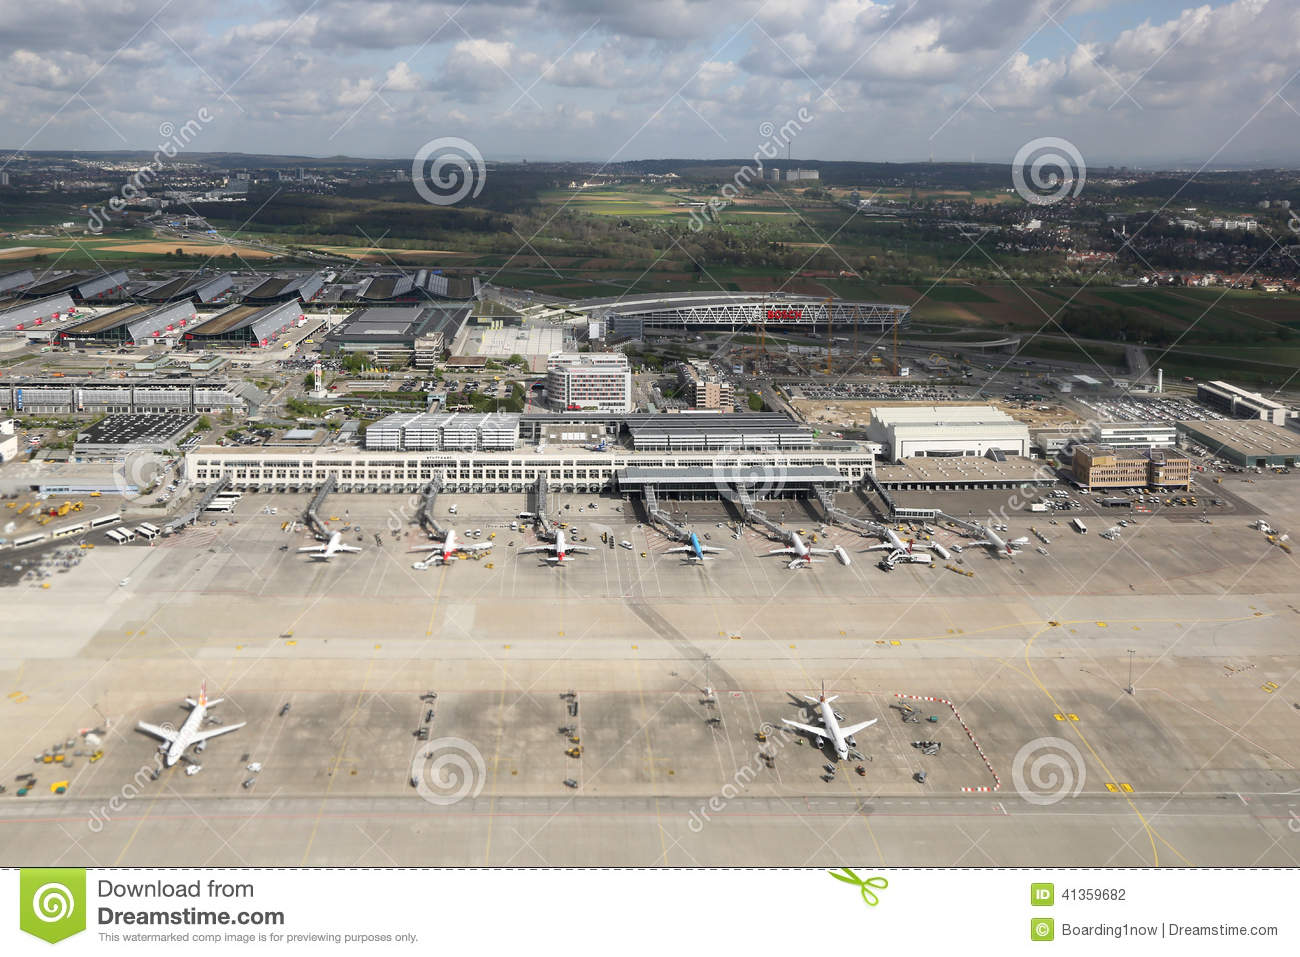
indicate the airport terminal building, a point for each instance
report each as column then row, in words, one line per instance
column 570, row 470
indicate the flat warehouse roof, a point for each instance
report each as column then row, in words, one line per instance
column 1247, row 436
column 129, row 429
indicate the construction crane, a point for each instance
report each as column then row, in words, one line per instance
column 830, row 342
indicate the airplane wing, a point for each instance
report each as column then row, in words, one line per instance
column 157, row 732
column 536, row 548
column 678, row 551
column 204, row 735
column 580, row 548
column 821, row 551
column 314, row 549
column 707, row 549
column 855, row 728
column 781, row 551
column 880, row 548
column 347, row 548
column 425, row 548
column 820, row 732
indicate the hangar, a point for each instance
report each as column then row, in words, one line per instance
column 135, row 323
column 245, row 326
column 195, row 288
column 21, row 316
column 275, row 289
column 81, row 286
column 947, row 430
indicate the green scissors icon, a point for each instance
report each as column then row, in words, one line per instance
column 848, row 877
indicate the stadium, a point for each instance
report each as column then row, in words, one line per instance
column 631, row 315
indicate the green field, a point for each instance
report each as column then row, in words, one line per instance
column 941, row 293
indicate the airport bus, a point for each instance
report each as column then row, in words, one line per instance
column 147, row 531
column 1078, row 526
column 68, row 530
column 114, row 535
column 123, row 535
column 220, row 505
column 29, row 540
column 105, row 520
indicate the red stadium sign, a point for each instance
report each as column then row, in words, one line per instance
column 785, row 314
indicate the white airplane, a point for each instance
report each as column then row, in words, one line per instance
column 559, row 547
column 831, row 730
column 330, row 548
column 450, row 549
column 994, row 541
column 695, row 550
column 803, row 555
column 176, row 742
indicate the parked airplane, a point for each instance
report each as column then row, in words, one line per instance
column 177, row 741
column 803, row 555
column 450, row 549
column 559, row 547
column 698, row 552
column 893, row 543
column 995, row 542
column 831, row 730
column 330, row 548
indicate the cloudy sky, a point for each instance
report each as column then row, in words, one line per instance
column 1152, row 82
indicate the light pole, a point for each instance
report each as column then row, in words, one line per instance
column 1129, row 689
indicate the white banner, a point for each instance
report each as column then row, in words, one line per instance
column 120, row 911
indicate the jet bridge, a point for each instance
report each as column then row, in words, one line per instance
column 541, row 493
column 208, row 497
column 427, row 500
column 658, row 515
column 312, row 517
column 838, row 515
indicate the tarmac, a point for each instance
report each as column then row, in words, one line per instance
column 677, row 669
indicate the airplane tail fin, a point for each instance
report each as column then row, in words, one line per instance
column 203, row 694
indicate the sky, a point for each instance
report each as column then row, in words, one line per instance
column 1153, row 83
